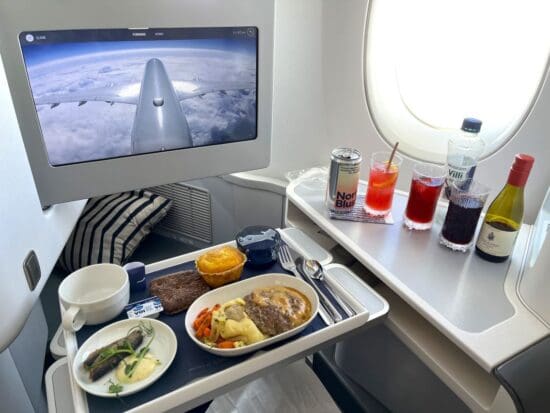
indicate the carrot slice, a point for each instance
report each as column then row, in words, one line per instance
column 204, row 324
column 226, row 344
column 201, row 317
column 203, row 311
column 198, row 321
column 203, row 321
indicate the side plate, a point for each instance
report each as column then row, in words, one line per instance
column 164, row 347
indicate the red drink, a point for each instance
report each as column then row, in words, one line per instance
column 380, row 190
column 423, row 200
column 426, row 186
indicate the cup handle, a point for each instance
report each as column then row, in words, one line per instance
column 73, row 319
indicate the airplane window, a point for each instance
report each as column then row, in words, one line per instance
column 431, row 63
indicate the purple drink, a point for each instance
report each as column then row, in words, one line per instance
column 465, row 205
column 461, row 222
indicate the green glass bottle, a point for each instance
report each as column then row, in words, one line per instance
column 505, row 214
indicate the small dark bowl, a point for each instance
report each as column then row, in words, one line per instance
column 260, row 244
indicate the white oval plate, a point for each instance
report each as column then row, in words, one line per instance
column 240, row 289
column 163, row 347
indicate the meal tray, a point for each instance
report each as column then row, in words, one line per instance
column 191, row 362
column 196, row 376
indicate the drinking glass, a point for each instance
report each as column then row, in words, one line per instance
column 382, row 180
column 466, row 201
column 426, row 184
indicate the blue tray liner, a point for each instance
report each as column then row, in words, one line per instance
column 191, row 362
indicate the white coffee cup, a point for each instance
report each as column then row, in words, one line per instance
column 93, row 295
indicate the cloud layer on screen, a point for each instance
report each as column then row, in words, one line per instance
column 97, row 130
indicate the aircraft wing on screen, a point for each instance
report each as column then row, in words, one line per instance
column 128, row 94
column 194, row 88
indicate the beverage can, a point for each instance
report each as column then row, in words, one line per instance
column 343, row 180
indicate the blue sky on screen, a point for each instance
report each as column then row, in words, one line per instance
column 36, row 54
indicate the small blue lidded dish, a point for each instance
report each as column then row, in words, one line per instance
column 260, row 244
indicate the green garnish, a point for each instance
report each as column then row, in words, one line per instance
column 129, row 369
column 110, row 352
column 115, row 388
column 148, row 331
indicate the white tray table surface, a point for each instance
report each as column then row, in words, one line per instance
column 472, row 301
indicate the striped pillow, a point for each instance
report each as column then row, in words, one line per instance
column 111, row 227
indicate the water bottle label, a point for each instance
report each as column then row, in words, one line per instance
column 461, row 173
column 496, row 242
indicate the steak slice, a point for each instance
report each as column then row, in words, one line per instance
column 269, row 318
column 277, row 309
column 177, row 291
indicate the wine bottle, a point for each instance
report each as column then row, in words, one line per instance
column 505, row 214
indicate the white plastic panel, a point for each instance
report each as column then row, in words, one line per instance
column 23, row 224
column 535, row 282
column 298, row 240
column 57, row 385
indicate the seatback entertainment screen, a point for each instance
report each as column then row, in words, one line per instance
column 108, row 93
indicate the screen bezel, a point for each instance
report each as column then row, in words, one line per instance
column 175, row 33
column 83, row 180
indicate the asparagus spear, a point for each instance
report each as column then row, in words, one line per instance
column 103, row 360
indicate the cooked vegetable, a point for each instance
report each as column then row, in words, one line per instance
column 202, row 315
column 226, row 344
column 134, row 338
column 226, row 326
column 202, row 323
column 103, row 360
column 130, row 370
column 114, row 387
column 109, row 356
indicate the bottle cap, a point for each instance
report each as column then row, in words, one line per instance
column 520, row 169
column 472, row 125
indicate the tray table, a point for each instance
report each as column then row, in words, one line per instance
column 196, row 376
column 471, row 301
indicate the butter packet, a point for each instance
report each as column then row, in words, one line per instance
column 148, row 307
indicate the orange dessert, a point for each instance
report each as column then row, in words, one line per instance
column 221, row 265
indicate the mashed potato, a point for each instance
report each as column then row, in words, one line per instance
column 233, row 323
column 143, row 370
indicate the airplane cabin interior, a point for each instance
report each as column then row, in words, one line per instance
column 288, row 205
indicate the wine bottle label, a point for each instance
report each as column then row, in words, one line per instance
column 496, row 242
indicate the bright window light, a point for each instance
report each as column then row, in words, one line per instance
column 431, row 63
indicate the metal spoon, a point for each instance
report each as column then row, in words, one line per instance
column 315, row 270
column 323, row 299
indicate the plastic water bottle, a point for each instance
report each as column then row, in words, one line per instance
column 464, row 150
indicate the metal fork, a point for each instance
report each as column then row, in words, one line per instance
column 288, row 264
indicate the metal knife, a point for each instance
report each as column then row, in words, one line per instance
column 334, row 313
